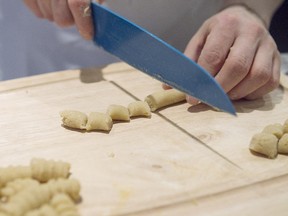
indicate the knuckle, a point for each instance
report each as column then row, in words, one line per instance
column 273, row 82
column 257, row 30
column 223, row 21
column 263, row 74
column 212, row 57
column 239, row 65
column 229, row 20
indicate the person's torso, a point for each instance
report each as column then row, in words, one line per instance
column 29, row 45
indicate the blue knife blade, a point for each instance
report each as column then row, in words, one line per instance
column 151, row 55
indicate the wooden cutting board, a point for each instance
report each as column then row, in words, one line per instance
column 184, row 160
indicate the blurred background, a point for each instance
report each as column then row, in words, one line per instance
column 279, row 27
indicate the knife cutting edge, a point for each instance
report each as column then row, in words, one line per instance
column 151, row 55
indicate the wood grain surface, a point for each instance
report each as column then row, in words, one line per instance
column 183, row 160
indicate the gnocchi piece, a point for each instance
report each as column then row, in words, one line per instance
column 74, row 119
column 11, row 173
column 44, row 210
column 285, row 127
column 34, row 197
column 26, row 200
column 67, row 186
column 118, row 112
column 99, row 121
column 265, row 143
column 44, row 170
column 283, row 144
column 139, row 108
column 64, row 205
column 275, row 129
column 164, row 98
column 17, row 185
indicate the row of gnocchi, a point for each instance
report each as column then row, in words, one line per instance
column 43, row 188
column 272, row 140
column 104, row 121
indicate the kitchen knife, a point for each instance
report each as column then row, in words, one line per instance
column 151, row 55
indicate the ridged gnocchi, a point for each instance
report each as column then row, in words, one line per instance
column 64, row 205
column 31, row 190
column 43, row 170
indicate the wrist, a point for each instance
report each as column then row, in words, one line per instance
column 250, row 10
column 263, row 9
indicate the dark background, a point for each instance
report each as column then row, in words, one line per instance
column 279, row 27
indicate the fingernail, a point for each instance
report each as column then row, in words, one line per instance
column 85, row 35
column 233, row 96
column 192, row 100
column 165, row 86
column 87, row 11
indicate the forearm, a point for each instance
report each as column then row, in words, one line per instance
column 263, row 8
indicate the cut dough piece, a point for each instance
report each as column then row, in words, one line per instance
column 99, row 121
column 74, row 119
column 139, row 108
column 118, row 112
column 283, row 144
column 265, row 143
column 164, row 98
column 275, row 129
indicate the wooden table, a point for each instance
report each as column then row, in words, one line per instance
column 183, row 161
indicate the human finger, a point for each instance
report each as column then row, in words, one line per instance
column 165, row 86
column 81, row 13
column 238, row 63
column 196, row 44
column 193, row 51
column 216, row 49
column 34, row 7
column 272, row 83
column 259, row 72
column 46, row 9
column 61, row 13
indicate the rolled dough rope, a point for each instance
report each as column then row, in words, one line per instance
column 74, row 119
column 283, row 144
column 284, row 80
column 164, row 98
column 139, row 108
column 118, row 112
column 265, row 143
column 275, row 129
column 99, row 121
column 44, row 170
column 11, row 173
